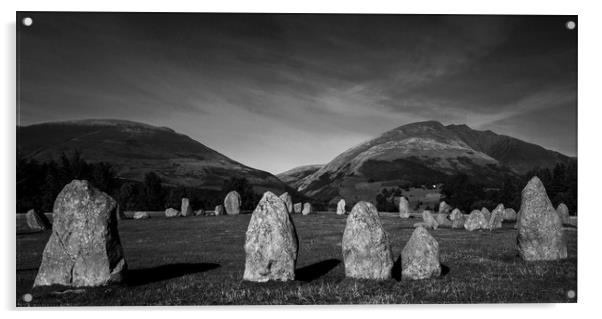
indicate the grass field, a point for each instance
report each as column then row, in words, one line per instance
column 200, row 260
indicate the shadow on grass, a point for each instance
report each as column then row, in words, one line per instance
column 315, row 271
column 396, row 270
column 137, row 277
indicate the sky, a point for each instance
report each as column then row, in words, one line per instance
column 276, row 91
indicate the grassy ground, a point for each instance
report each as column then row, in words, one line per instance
column 200, row 260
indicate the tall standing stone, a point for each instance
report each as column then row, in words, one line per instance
column 540, row 233
column 37, row 221
column 404, row 208
column 232, row 203
column 444, row 208
column 271, row 245
column 84, row 248
column 420, row 256
column 288, row 201
column 563, row 213
column 307, row 209
column 219, row 210
column 297, row 208
column 366, row 246
column 457, row 218
column 185, row 209
column 476, row 220
column 428, row 220
column 497, row 216
column 341, row 207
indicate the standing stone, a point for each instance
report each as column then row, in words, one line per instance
column 486, row 214
column 170, row 213
column 232, row 203
column 185, row 209
column 563, row 213
column 288, row 201
column 341, row 207
column 297, row 208
column 540, row 234
column 307, row 209
column 497, row 216
column 457, row 218
column 444, row 208
column 420, row 256
column 200, row 212
column 141, row 215
column 443, row 220
column 509, row 214
column 271, row 245
column 37, row 221
column 428, row 220
column 366, row 247
column 219, row 210
column 404, row 208
column 84, row 248
column 476, row 220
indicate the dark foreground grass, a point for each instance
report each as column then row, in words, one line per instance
column 200, row 260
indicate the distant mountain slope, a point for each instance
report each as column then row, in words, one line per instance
column 293, row 177
column 423, row 152
column 136, row 148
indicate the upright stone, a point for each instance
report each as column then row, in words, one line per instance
column 497, row 216
column 443, row 220
column 232, row 203
column 404, row 208
column 486, row 214
column 366, row 247
column 170, row 213
column 457, row 218
column 307, row 209
column 341, row 207
column 420, row 256
column 444, row 208
column 271, row 245
column 37, row 221
column 540, row 233
column 219, row 210
column 297, row 208
column 476, row 220
column 185, row 209
column 84, row 248
column 509, row 214
column 563, row 213
column 288, row 202
column 428, row 220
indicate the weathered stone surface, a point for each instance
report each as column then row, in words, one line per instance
column 563, row 213
column 366, row 246
column 428, row 220
column 444, row 208
column 170, row 212
column 443, row 220
column 509, row 214
column 307, row 209
column 297, row 208
column 341, row 207
column 497, row 216
column 84, row 248
column 288, row 201
column 457, row 218
column 540, row 233
column 37, row 221
column 476, row 220
column 420, row 256
column 404, row 208
column 141, row 215
column 185, row 209
column 232, row 203
column 271, row 245
column 486, row 214
column 219, row 210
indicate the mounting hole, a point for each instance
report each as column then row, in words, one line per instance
column 571, row 25
column 27, row 21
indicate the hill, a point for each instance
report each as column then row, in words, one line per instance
column 293, row 177
column 135, row 148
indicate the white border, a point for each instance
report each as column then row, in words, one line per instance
column 589, row 266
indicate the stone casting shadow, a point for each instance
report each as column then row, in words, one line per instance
column 137, row 277
column 396, row 270
column 317, row 270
